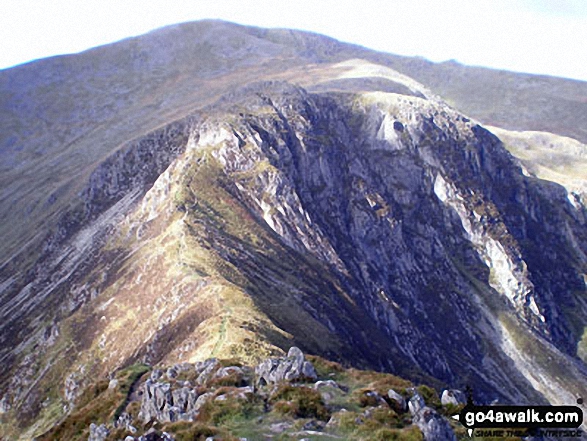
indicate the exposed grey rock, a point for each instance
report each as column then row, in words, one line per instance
column 206, row 370
column 433, row 426
column 184, row 367
column 185, row 399
column 398, row 400
column 72, row 387
column 227, row 371
column 161, row 403
column 157, row 402
column 314, row 425
column 124, row 420
column 171, row 373
column 203, row 399
column 294, row 367
column 453, row 396
column 384, row 205
column 325, row 383
column 416, row 403
column 329, row 390
column 373, row 398
column 280, row 427
column 98, row 433
column 113, row 384
column 156, row 374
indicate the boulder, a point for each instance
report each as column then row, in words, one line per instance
column 206, row 370
column 203, row 399
column 156, row 374
column 433, row 426
column 326, row 383
column 161, row 403
column 292, row 368
column 171, row 373
column 453, row 396
column 398, row 402
column 416, row 403
column 124, row 420
column 184, row 399
column 157, row 402
column 98, row 433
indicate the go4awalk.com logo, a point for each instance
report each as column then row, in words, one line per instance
column 503, row 421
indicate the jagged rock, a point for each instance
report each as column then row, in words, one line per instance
column 234, row 374
column 453, row 396
column 206, row 370
column 185, row 399
column 171, row 373
column 157, row 402
column 72, row 387
column 161, row 403
column 397, row 400
column 292, row 368
column 416, row 403
column 156, row 374
column 203, row 399
column 113, row 384
column 124, row 420
column 433, row 426
column 98, row 433
column 183, row 367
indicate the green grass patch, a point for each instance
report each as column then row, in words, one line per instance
column 299, row 402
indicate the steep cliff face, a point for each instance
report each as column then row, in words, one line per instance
column 383, row 229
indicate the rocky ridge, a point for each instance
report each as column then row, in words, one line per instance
column 370, row 200
column 358, row 217
column 222, row 401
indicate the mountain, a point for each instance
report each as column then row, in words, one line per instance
column 210, row 189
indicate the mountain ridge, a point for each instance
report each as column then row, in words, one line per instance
column 326, row 215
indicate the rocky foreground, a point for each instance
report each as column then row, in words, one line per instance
column 281, row 398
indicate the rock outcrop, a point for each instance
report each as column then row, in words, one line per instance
column 98, row 433
column 453, row 396
column 292, row 368
column 433, row 426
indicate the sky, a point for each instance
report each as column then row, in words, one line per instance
column 536, row 36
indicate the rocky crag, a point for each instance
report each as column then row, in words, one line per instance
column 343, row 208
column 281, row 397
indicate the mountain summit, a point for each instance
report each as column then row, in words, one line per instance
column 212, row 190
